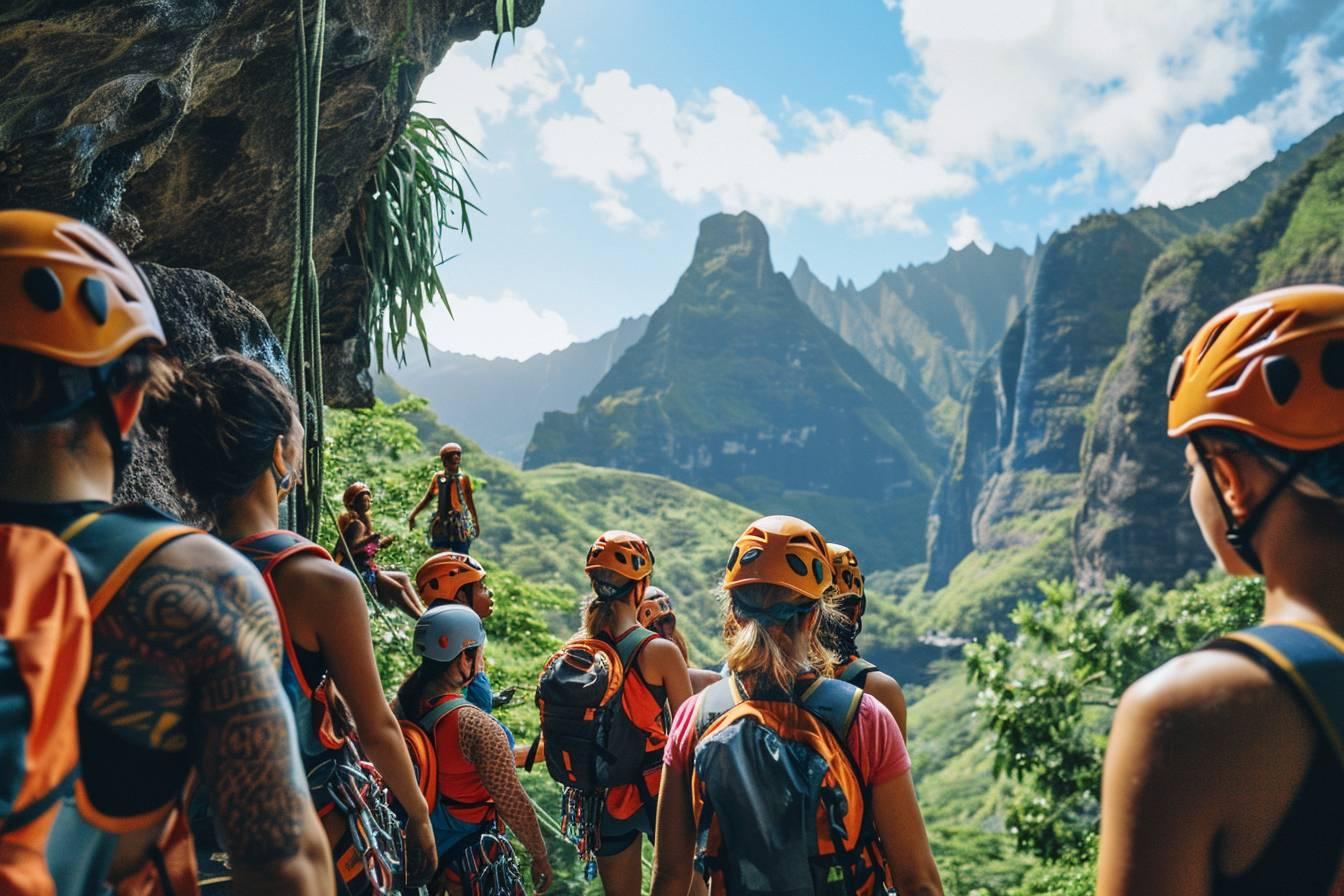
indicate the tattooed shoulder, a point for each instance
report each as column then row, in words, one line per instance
column 198, row 616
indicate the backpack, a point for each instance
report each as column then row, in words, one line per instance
column 44, row 658
column 452, row 523
column 590, row 743
column 109, row 546
column 779, row 804
column 855, row 671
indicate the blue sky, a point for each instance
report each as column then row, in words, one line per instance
column 866, row 133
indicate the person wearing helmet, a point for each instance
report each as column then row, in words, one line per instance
column 359, row 544
column 455, row 521
column 451, row 578
column 655, row 613
column 840, row 632
column 1258, row 397
column 657, row 683
column 234, row 445
column 775, row 592
column 479, row 791
column 185, row 645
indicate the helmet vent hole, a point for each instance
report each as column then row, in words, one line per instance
column 1281, row 376
column 1213, row 337
column 636, row 561
column 732, row 558
column 750, row 556
column 621, row 558
column 1332, row 364
column 1174, row 376
column 818, row 571
column 93, row 293
column 44, row 288
column 434, row 583
column 796, row 564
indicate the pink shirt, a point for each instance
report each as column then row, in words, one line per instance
column 874, row 741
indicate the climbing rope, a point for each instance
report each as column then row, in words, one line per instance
column 302, row 337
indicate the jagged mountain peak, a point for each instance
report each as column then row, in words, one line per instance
column 738, row 244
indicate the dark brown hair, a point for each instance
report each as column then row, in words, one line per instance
column 220, row 418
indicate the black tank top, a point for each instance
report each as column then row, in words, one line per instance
column 1304, row 854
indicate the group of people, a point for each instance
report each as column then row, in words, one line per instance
column 186, row 711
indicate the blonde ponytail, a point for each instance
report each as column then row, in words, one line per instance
column 780, row 651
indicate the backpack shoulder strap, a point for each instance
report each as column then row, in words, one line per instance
column 856, row 671
column 110, row 546
column 835, row 702
column 267, row 550
column 1308, row 659
column 631, row 643
column 440, row 712
column 714, row 701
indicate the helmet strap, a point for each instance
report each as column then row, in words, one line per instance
column 1239, row 534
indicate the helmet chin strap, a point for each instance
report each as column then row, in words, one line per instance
column 1239, row 534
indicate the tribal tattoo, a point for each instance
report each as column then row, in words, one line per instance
column 485, row 746
column 186, row 658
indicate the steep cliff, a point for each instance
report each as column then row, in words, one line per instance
column 1133, row 520
column 738, row 389
column 925, row 327
column 171, row 126
column 1084, row 283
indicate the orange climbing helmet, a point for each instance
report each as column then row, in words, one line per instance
column 655, row 607
column 352, row 493
column 1271, row 365
column 845, row 570
column 69, row 293
column 450, row 448
column 621, row 552
column 783, row 551
column 443, row 575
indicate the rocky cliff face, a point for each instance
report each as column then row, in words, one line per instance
column 170, row 125
column 1026, row 458
column 1133, row 519
column 500, row 401
column 925, row 327
column 738, row 389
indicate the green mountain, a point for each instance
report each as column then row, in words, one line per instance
column 1132, row 521
column 1014, row 478
column 738, row 389
column 925, row 327
column 500, row 400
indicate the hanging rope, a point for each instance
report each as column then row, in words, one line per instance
column 302, row 338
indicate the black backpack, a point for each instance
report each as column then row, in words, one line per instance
column 590, row 742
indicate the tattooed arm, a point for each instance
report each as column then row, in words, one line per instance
column 207, row 612
column 485, row 745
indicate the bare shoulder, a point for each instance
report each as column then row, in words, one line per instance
column 1204, row 699
column 883, row 686
column 661, row 654
column 310, row 574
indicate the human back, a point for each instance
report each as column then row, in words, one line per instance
column 184, row 645
column 1256, row 395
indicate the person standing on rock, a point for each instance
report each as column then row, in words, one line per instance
column 1225, row 769
column 455, row 521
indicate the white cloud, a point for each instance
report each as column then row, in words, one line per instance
column 1011, row 85
column 1209, row 158
column 724, row 148
column 966, row 229
column 506, row 327
column 470, row 95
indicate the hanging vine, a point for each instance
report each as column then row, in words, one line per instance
column 302, row 338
